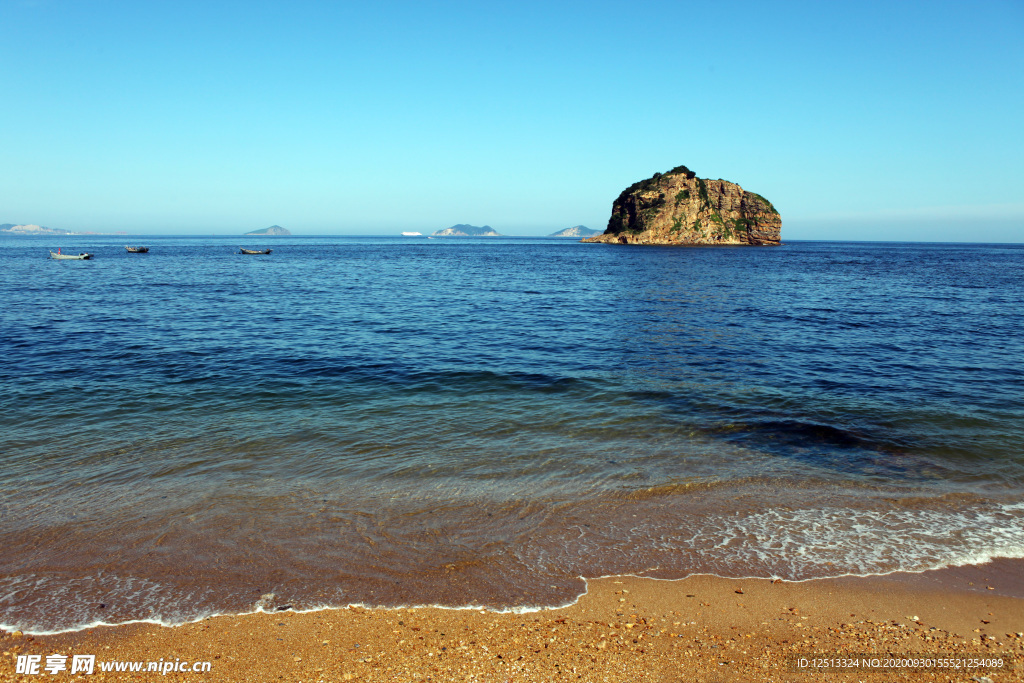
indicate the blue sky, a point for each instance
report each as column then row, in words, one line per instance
column 863, row 120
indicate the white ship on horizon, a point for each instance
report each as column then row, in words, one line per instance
column 412, row 234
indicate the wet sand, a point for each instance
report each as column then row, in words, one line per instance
column 624, row 629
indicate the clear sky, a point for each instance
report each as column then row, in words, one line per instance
column 864, row 120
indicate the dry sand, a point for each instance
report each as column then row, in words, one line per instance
column 624, row 629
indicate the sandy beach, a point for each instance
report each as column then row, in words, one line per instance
column 624, row 629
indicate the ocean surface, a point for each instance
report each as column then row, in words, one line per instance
column 398, row 421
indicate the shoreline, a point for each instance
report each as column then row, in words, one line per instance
column 1008, row 570
column 622, row 628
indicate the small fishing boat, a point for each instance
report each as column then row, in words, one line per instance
column 254, row 251
column 70, row 257
column 136, row 250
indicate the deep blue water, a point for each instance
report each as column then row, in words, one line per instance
column 483, row 421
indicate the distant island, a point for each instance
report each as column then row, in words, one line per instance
column 272, row 230
column 576, row 231
column 463, row 230
column 30, row 229
column 677, row 207
column 43, row 231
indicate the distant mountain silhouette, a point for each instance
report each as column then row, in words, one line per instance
column 576, row 231
column 272, row 230
column 463, row 230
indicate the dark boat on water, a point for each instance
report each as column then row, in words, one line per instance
column 136, row 250
column 254, row 251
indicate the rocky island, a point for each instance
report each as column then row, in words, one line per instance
column 576, row 231
column 677, row 207
column 463, row 230
column 272, row 230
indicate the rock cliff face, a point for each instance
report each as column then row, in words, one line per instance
column 679, row 208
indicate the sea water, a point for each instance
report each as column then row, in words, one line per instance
column 395, row 421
